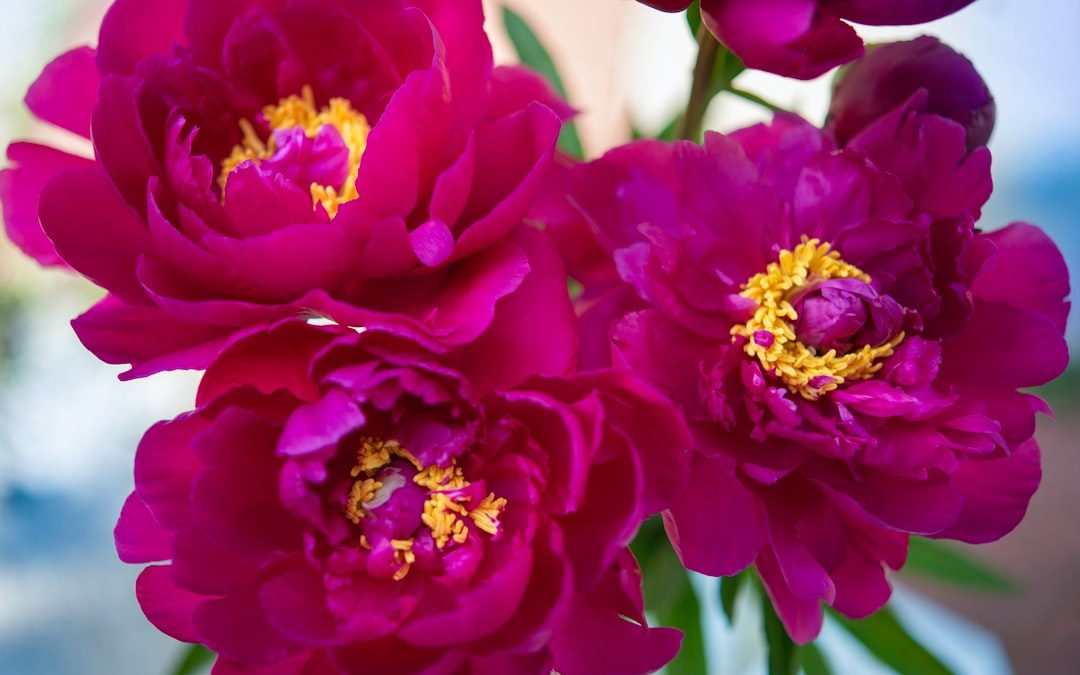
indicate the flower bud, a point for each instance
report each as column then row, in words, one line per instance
column 890, row 74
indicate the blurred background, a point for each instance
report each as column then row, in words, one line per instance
column 68, row 428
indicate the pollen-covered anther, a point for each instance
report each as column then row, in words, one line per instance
column 486, row 515
column 770, row 336
column 361, row 493
column 404, row 556
column 300, row 112
column 443, row 516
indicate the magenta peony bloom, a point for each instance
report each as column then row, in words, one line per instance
column 807, row 38
column 350, row 502
column 258, row 158
column 845, row 345
column 890, row 74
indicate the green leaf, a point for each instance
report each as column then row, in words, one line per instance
column 783, row 652
column 194, row 659
column 945, row 563
column 729, row 592
column 887, row 639
column 669, row 596
column 531, row 52
column 813, row 661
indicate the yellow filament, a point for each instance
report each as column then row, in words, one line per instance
column 300, row 112
column 796, row 364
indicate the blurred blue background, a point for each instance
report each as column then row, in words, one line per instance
column 68, row 428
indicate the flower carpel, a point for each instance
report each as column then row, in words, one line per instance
column 771, row 332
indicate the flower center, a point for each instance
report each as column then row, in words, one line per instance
column 452, row 506
column 770, row 334
column 321, row 147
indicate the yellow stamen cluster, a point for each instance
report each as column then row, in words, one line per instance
column 300, row 112
column 362, row 492
column 445, row 512
column 800, row 367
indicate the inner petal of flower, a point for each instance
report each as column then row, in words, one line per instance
column 448, row 512
column 770, row 336
column 299, row 112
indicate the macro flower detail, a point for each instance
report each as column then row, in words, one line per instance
column 846, row 346
column 322, row 148
column 390, row 484
column 797, row 328
column 358, row 506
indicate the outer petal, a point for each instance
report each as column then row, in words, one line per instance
column 96, row 233
column 996, row 494
column 146, row 337
column 1028, row 272
column 139, row 538
column 717, row 526
column 134, row 29
column 20, row 190
column 170, row 608
column 802, row 618
column 533, row 330
column 165, row 467
column 65, row 92
column 787, row 37
column 1005, row 347
column 605, row 633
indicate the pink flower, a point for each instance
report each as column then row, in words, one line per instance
column 351, row 502
column 805, row 38
column 846, row 347
column 253, row 159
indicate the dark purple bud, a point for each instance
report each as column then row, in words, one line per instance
column 845, row 314
column 890, row 74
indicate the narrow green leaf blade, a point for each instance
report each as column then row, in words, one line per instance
column 813, row 661
column 783, row 652
column 887, row 639
column 532, row 53
column 529, row 49
column 948, row 564
column 194, row 659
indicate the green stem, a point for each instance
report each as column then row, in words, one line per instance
column 692, row 122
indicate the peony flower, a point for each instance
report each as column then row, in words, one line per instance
column 847, row 348
column 890, row 74
column 254, row 159
column 805, row 38
column 348, row 501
